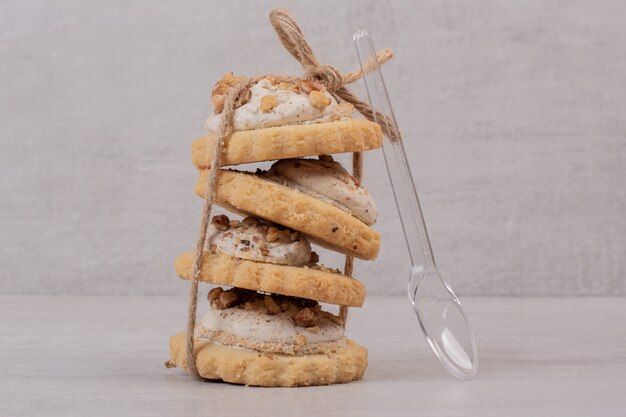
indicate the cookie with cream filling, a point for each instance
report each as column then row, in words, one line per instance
column 327, row 180
column 270, row 323
column 255, row 240
column 314, row 283
column 278, row 120
column 320, row 221
column 249, row 367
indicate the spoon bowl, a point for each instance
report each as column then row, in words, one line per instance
column 443, row 322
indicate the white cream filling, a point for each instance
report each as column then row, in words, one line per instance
column 249, row 243
column 262, row 327
column 331, row 180
column 292, row 108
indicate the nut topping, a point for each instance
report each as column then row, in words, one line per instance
column 230, row 79
column 305, row 318
column 285, row 86
column 318, row 99
column 221, row 89
column 272, row 234
column 221, row 222
column 270, row 304
column 303, row 312
column 250, row 221
column 268, row 102
column 218, row 103
column 307, row 86
column 315, row 258
column 214, row 294
column 228, row 298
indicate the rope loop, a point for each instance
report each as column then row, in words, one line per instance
column 327, row 75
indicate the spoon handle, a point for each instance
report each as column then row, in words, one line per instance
column 407, row 202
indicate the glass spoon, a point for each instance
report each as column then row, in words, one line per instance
column 438, row 310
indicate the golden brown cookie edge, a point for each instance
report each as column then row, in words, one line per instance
column 246, row 367
column 295, row 141
column 301, row 282
column 322, row 222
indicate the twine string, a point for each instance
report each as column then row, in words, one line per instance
column 224, row 131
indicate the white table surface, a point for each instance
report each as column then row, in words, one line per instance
column 103, row 356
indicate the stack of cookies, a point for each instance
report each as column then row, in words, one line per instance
column 265, row 325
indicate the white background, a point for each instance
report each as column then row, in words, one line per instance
column 513, row 114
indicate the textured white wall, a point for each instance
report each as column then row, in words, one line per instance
column 514, row 116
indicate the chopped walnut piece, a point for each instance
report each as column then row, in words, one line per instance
column 265, row 252
column 234, row 223
column 221, row 222
column 315, row 258
column 218, row 103
column 305, row 318
column 214, row 294
column 272, row 234
column 228, row 298
column 309, row 85
column 281, row 236
column 230, row 79
column 221, row 89
column 285, row 86
column 250, row 221
column 268, row 102
column 270, row 304
column 217, row 304
column 326, row 158
column 318, row 99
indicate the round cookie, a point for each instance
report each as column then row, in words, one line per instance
column 327, row 287
column 321, row 222
column 248, row 367
column 292, row 141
